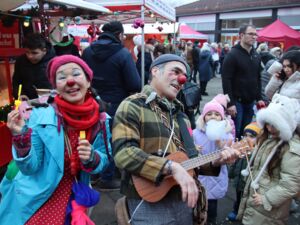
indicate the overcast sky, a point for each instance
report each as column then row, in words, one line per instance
column 176, row 3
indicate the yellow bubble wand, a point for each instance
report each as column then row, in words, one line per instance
column 18, row 101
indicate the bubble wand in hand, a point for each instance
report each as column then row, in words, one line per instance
column 18, row 101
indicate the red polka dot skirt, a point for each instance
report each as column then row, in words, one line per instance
column 53, row 212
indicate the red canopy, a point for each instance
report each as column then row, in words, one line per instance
column 279, row 32
column 186, row 32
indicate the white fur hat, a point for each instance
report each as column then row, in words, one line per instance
column 282, row 113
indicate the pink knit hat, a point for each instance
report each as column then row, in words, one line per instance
column 222, row 99
column 58, row 61
column 213, row 106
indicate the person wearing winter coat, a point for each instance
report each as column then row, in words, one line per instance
column 115, row 73
column 224, row 100
column 30, row 68
column 241, row 78
column 213, row 133
column 49, row 177
column 205, row 68
column 149, row 57
column 115, row 77
column 275, row 173
column 196, row 60
column 251, row 132
column 225, row 50
column 265, row 78
column 288, row 82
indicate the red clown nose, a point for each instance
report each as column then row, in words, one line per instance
column 181, row 79
column 70, row 83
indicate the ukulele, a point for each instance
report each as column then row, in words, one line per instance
column 150, row 192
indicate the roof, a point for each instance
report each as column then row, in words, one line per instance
column 214, row 6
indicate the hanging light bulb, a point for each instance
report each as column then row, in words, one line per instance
column 151, row 14
column 61, row 23
column 26, row 22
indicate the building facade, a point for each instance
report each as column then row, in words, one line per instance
column 221, row 19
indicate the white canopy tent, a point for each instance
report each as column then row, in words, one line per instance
column 7, row 5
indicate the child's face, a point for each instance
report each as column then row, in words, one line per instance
column 250, row 137
column 212, row 115
column 272, row 130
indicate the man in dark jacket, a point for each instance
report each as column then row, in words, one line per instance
column 115, row 73
column 241, row 78
column 30, row 68
column 115, row 76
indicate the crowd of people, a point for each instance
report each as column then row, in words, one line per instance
column 99, row 121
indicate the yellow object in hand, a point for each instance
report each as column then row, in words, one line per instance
column 18, row 101
column 17, row 104
column 82, row 134
column 19, row 91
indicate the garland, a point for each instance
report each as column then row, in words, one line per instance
column 61, row 44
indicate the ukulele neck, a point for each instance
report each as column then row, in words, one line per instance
column 201, row 160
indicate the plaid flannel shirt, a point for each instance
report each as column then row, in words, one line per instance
column 138, row 133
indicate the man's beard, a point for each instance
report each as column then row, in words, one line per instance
column 215, row 130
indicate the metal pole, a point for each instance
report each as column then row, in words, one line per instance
column 143, row 46
column 42, row 17
column 174, row 45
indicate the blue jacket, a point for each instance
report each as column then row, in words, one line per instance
column 42, row 169
column 216, row 187
column 115, row 73
column 205, row 66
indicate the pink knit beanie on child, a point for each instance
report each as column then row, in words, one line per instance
column 213, row 106
column 222, row 99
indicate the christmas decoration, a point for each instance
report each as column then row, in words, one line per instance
column 138, row 23
column 93, row 30
column 160, row 28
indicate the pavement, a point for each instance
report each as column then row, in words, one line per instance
column 103, row 213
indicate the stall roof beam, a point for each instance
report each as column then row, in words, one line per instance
column 82, row 4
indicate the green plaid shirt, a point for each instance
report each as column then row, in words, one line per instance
column 138, row 133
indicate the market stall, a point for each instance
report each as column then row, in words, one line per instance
column 281, row 33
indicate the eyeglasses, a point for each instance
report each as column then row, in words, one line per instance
column 252, row 34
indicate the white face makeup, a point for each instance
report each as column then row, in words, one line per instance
column 72, row 83
column 165, row 79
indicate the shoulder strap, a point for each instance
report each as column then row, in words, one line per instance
column 187, row 139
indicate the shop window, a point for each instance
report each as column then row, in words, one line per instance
column 202, row 26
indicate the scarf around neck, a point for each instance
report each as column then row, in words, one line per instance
column 79, row 117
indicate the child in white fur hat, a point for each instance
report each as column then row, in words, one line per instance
column 212, row 133
column 275, row 176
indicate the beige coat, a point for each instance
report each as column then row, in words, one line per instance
column 290, row 88
column 277, row 192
